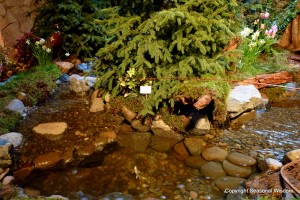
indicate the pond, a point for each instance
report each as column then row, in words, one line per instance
column 272, row 133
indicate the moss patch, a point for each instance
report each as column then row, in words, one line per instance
column 37, row 83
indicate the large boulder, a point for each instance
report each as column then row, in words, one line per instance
column 243, row 98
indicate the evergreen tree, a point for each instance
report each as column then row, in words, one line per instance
column 76, row 20
column 168, row 49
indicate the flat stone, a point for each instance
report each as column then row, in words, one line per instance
column 52, row 130
column 194, row 145
column 228, row 182
column 241, row 159
column 16, row 139
column 47, row 161
column 195, row 162
column 236, row 170
column 180, row 152
column 16, row 105
column 214, row 154
column 125, row 129
column 212, row 170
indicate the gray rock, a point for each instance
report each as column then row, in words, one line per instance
column 3, row 141
column 5, row 156
column 241, row 159
column 81, row 84
column 64, row 78
column 214, row 154
column 85, row 67
column 194, row 145
column 228, row 182
column 236, row 170
column 195, row 162
column 212, row 170
column 51, row 130
column 162, row 144
column 14, row 138
column 16, row 105
column 243, row 98
column 159, row 128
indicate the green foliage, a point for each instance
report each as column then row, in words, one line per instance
column 76, row 19
column 37, row 83
column 283, row 12
column 168, row 48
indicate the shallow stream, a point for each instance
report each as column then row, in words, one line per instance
column 271, row 134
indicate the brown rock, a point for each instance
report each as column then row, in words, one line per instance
column 47, row 161
column 125, row 129
column 162, row 144
column 228, row 182
column 212, row 170
column 236, row 170
column 180, row 152
column 214, row 154
column 195, row 162
column 128, row 114
column 203, row 101
column 241, row 159
column 194, row 145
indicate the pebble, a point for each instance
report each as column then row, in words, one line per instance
column 8, row 180
column 193, row 194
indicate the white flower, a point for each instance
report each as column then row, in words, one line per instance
column 51, row 39
column 67, row 54
column 262, row 41
column 27, row 41
column 247, row 31
column 42, row 41
column 252, row 44
column 255, row 35
column 37, row 43
column 44, row 47
column 48, row 50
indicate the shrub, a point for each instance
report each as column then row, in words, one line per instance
column 168, row 50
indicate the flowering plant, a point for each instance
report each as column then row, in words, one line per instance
column 41, row 51
column 258, row 39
